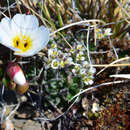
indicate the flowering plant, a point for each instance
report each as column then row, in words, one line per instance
column 74, row 59
column 23, row 35
column 18, row 80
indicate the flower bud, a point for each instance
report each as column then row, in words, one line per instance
column 16, row 74
column 21, row 89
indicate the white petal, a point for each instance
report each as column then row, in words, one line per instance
column 19, row 78
column 90, row 82
column 6, row 33
column 22, row 23
column 108, row 32
column 40, row 38
column 95, row 107
column 92, row 70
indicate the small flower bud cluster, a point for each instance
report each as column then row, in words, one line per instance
column 57, row 59
column 101, row 33
column 81, row 66
column 18, row 81
column 75, row 59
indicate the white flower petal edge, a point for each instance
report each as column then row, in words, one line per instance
column 22, row 23
column 40, row 38
column 5, row 33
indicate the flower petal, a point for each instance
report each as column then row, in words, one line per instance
column 6, row 33
column 23, row 24
column 40, row 38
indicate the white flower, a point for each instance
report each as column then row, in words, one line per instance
column 82, row 71
column 69, row 61
column 92, row 70
column 74, row 71
column 23, row 35
column 62, row 64
column 95, row 107
column 85, row 64
column 65, row 55
column 99, row 33
column 88, row 80
column 76, row 68
column 107, row 32
column 79, row 47
column 80, row 56
column 52, row 53
column 55, row 64
column 72, row 51
column 53, row 45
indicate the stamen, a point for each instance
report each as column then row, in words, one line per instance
column 17, row 43
column 25, row 45
column 22, row 42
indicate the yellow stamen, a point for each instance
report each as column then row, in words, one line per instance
column 22, row 42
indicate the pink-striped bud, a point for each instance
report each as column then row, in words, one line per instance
column 16, row 74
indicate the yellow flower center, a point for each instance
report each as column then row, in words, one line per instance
column 55, row 64
column 22, row 42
